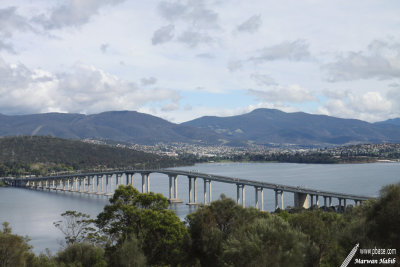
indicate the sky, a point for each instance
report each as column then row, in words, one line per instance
column 183, row 59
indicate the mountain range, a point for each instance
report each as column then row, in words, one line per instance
column 261, row 126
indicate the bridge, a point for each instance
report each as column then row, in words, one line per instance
column 101, row 183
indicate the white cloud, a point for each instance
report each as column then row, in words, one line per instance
column 370, row 106
column 193, row 38
column 293, row 51
column 381, row 60
column 163, row 35
column 170, row 107
column 10, row 23
column 251, row 25
column 148, row 81
column 195, row 20
column 292, row 93
column 263, row 79
column 84, row 89
column 73, row 13
column 104, row 48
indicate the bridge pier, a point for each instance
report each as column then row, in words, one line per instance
column 192, row 191
column 276, row 199
column 209, row 191
column 173, row 189
column 205, row 191
column 243, row 196
column 256, row 204
column 93, row 192
column 107, row 184
column 301, row 200
column 237, row 194
column 145, row 182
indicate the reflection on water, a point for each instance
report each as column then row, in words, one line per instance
column 32, row 212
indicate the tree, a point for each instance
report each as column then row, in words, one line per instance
column 14, row 249
column 384, row 217
column 211, row 225
column 265, row 242
column 144, row 216
column 129, row 254
column 81, row 254
column 77, row 227
column 324, row 231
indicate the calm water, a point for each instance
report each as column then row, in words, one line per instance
column 32, row 212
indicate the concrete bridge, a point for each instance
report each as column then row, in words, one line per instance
column 101, row 183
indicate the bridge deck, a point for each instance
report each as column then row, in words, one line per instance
column 212, row 177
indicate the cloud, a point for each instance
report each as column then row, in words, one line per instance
column 193, row 19
column 148, row 81
column 163, row 35
column 381, row 60
column 170, row 107
column 292, row 93
column 206, row 55
column 7, row 47
column 193, row 38
column 83, row 89
column 74, row 13
column 196, row 13
column 293, row 51
column 104, row 48
column 235, row 65
column 10, row 23
column 172, row 10
column 263, row 79
column 370, row 106
column 251, row 25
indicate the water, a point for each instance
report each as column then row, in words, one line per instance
column 32, row 212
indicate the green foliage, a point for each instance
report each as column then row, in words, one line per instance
column 265, row 242
column 129, row 254
column 81, row 255
column 40, row 155
column 14, row 249
column 141, row 231
column 323, row 230
column 146, row 217
column 384, row 217
column 77, row 227
column 211, row 225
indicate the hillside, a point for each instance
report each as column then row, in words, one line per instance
column 390, row 121
column 261, row 126
column 127, row 126
column 41, row 155
column 267, row 126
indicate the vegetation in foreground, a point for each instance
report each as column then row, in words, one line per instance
column 137, row 229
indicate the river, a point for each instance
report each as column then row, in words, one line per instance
column 32, row 212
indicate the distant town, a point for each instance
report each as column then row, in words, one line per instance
column 272, row 152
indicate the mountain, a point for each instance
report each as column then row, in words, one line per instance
column 268, row 126
column 390, row 121
column 261, row 126
column 127, row 126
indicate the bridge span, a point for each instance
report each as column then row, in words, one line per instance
column 101, row 183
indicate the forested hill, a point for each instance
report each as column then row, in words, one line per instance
column 41, row 155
